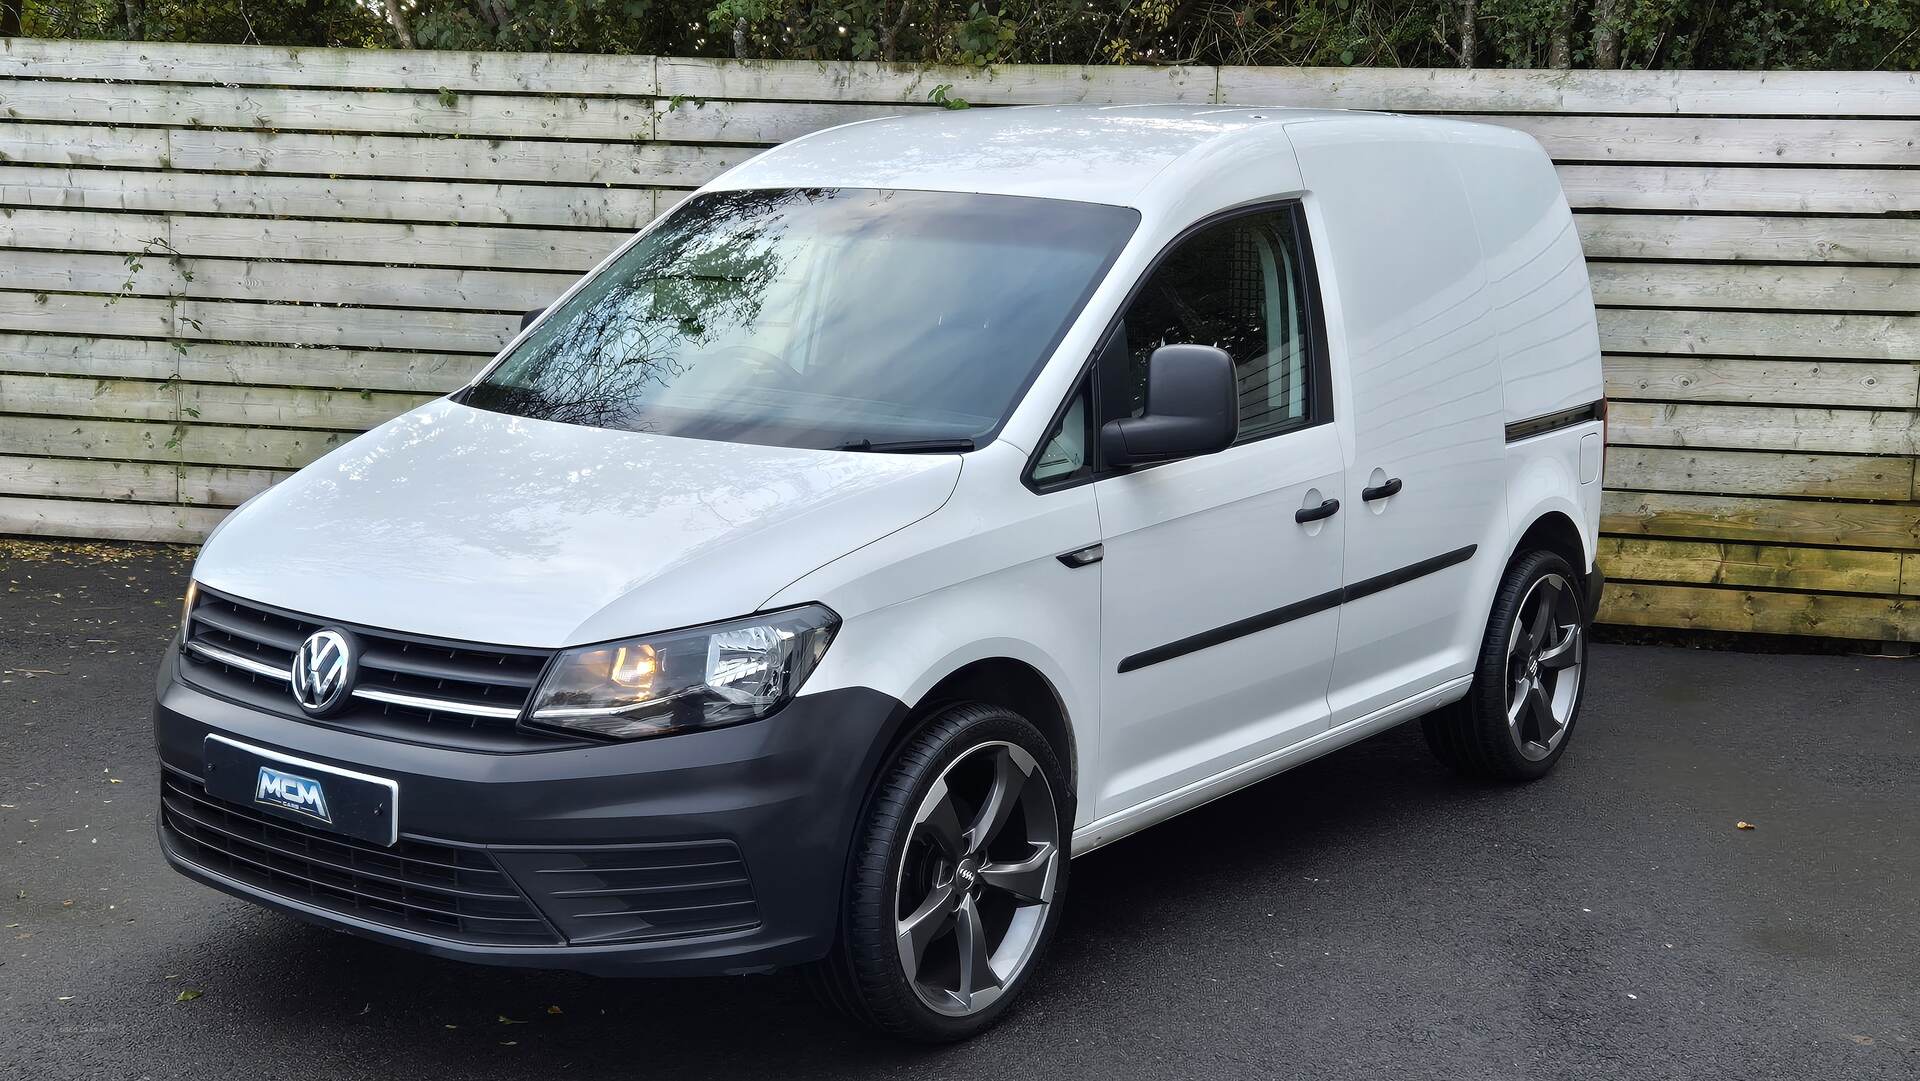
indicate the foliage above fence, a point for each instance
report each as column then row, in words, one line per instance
column 1675, row 34
column 222, row 261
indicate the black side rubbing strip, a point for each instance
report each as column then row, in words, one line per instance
column 1237, row 629
column 1553, row 422
column 1297, row 610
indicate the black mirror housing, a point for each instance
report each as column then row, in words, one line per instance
column 527, row 319
column 1193, row 408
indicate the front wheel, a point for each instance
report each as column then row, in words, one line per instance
column 956, row 880
column 1514, row 723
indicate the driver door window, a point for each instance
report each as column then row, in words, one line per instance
column 1236, row 285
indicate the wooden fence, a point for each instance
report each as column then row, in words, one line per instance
column 216, row 263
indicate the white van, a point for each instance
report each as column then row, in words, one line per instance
column 921, row 503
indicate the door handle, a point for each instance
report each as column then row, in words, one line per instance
column 1381, row 491
column 1326, row 509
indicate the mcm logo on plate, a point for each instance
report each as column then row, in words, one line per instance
column 322, row 671
column 302, row 795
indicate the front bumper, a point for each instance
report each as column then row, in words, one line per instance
column 1596, row 584
column 783, row 795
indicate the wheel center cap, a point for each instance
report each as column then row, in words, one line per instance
column 966, row 874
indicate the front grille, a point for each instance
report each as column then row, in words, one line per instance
column 621, row 893
column 245, row 651
column 440, row 890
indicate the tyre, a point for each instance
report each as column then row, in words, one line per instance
column 956, row 879
column 1516, row 719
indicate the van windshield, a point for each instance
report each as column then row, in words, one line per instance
column 861, row 319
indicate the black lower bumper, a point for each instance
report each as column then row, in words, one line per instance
column 1596, row 584
column 517, row 859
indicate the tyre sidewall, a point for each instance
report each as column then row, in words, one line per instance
column 1489, row 695
column 879, row 982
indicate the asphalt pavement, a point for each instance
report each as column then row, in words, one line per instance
column 1365, row 916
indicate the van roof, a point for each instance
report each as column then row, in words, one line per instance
column 1092, row 153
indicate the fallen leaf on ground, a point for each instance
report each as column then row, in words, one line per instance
column 505, row 1020
column 553, row 1009
column 1743, row 825
column 188, row 995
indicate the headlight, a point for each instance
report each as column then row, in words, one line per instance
column 704, row 677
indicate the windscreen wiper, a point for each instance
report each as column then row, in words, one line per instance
column 910, row 446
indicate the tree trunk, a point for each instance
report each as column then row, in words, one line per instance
column 398, row 20
column 1606, row 33
column 1560, row 48
column 1469, row 33
column 739, row 39
column 10, row 18
column 890, row 34
column 133, row 20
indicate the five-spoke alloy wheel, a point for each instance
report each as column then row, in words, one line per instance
column 957, row 877
column 1548, row 644
column 1519, row 713
column 979, row 876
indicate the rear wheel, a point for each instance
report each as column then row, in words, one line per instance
column 956, row 881
column 1515, row 721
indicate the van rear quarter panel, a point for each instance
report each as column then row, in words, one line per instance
column 1541, row 308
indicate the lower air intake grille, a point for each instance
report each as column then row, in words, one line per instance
column 620, row 893
column 439, row 890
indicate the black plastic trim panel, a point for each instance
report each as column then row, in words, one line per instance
column 1301, row 609
column 1553, row 422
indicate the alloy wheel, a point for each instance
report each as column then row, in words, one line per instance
column 1544, row 657
column 977, row 878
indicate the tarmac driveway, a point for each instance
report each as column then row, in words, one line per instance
column 1365, row 916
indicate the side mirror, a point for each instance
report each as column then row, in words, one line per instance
column 527, row 319
column 1193, row 408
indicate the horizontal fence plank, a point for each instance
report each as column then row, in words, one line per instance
column 1749, row 239
column 762, row 123
column 1728, row 141
column 106, row 521
column 196, row 444
column 354, row 328
column 533, row 73
column 77, row 144
column 1756, row 285
column 1024, row 84
column 1765, row 521
column 1732, row 472
column 1747, row 190
column 1412, row 90
column 629, row 162
column 328, row 155
column 1865, row 337
column 393, row 243
column 62, row 314
column 215, row 403
column 284, row 109
column 1760, row 427
column 75, row 478
column 1753, row 93
column 1700, row 608
column 1768, row 380
column 445, row 202
column 1837, row 570
column 158, row 275
column 374, row 371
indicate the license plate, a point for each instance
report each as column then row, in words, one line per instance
column 321, row 796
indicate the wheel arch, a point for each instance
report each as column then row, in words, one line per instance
column 1552, row 529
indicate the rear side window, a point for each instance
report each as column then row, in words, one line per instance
column 1239, row 285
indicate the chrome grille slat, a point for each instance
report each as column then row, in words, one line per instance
column 246, row 650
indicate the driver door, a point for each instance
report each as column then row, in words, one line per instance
column 1221, row 573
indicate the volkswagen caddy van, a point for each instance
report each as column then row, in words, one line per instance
column 919, row 505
